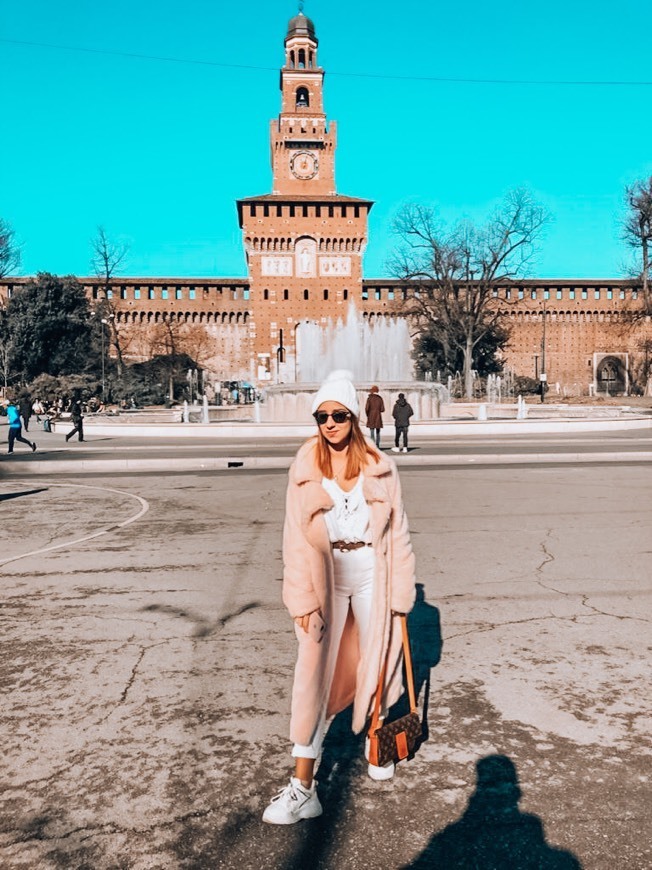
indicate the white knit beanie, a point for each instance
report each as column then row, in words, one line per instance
column 338, row 387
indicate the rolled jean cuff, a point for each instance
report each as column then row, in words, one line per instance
column 299, row 751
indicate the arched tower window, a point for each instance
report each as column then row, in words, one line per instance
column 302, row 58
column 303, row 98
column 292, row 59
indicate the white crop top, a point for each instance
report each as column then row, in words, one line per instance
column 348, row 519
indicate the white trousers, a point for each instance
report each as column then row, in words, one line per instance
column 354, row 586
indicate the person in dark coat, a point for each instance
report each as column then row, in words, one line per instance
column 78, row 421
column 401, row 413
column 25, row 407
column 373, row 409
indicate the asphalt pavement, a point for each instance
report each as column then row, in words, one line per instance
column 125, row 454
column 146, row 661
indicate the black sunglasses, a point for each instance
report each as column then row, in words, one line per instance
column 338, row 416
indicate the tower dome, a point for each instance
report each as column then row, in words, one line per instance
column 301, row 25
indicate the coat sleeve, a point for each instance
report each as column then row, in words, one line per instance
column 403, row 580
column 298, row 590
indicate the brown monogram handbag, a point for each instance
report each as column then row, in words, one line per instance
column 394, row 741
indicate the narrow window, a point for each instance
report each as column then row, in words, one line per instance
column 151, row 293
column 596, row 294
column 521, row 293
column 306, row 295
column 622, row 294
column 265, row 294
column 533, row 294
column 325, row 295
column 571, row 293
column 560, row 294
column 546, row 293
column 302, row 58
column 137, row 293
column 610, row 293
column 245, row 293
column 585, row 293
column 345, row 294
column 191, row 293
column 286, row 294
column 377, row 294
column 164, row 293
column 178, row 293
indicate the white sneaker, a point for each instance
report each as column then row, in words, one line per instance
column 378, row 773
column 405, row 450
column 293, row 803
column 395, row 450
column 381, row 773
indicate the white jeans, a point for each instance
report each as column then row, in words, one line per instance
column 354, row 585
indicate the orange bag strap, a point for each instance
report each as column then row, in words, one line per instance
column 407, row 655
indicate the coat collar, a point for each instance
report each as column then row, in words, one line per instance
column 304, row 471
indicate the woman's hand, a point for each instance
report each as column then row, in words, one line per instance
column 304, row 621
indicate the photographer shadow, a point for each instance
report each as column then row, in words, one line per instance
column 493, row 833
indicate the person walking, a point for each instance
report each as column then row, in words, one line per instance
column 401, row 413
column 348, row 575
column 374, row 409
column 25, row 408
column 15, row 428
column 77, row 420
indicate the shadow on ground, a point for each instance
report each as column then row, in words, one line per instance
column 493, row 834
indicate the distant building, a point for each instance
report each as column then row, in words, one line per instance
column 304, row 246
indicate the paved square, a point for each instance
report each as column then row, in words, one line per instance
column 147, row 671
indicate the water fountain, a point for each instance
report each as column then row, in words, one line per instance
column 377, row 352
column 372, row 351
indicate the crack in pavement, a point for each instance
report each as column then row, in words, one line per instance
column 36, row 830
column 583, row 597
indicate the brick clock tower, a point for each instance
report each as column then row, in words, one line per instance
column 304, row 242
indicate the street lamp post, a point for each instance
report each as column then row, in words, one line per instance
column 543, row 377
column 103, row 322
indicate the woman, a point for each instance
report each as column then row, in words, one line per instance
column 348, row 570
column 374, row 409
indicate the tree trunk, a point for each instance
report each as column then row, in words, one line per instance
column 468, row 368
column 171, row 387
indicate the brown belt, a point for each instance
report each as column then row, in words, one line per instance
column 345, row 546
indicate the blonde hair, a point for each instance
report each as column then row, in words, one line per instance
column 358, row 456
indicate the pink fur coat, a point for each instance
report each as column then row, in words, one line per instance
column 308, row 586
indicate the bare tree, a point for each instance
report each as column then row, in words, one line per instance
column 176, row 343
column 637, row 232
column 9, row 249
column 107, row 260
column 453, row 273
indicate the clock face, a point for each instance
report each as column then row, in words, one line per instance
column 304, row 165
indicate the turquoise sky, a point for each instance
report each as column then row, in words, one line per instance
column 158, row 150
